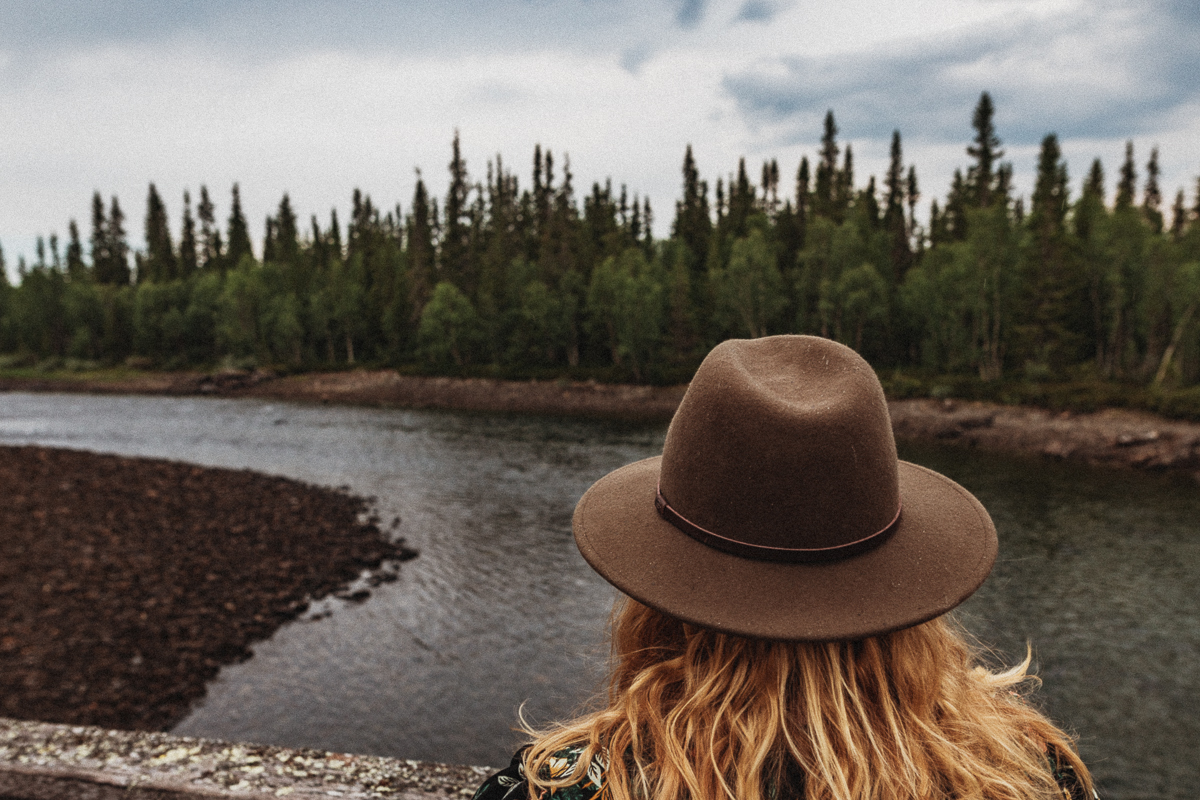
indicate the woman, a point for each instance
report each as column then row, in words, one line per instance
column 783, row 635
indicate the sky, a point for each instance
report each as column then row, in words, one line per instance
column 318, row 97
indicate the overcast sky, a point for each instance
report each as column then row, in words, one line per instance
column 317, row 97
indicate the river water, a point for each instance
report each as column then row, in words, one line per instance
column 1099, row 572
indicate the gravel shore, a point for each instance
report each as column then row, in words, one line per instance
column 125, row 583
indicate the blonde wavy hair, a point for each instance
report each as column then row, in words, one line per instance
column 909, row 715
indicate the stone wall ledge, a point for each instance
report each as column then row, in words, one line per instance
column 45, row 761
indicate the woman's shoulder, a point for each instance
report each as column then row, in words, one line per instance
column 511, row 783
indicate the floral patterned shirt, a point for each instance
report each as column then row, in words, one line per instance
column 510, row 783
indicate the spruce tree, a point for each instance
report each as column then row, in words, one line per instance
column 844, row 186
column 420, row 250
column 158, row 264
column 693, row 225
column 76, row 269
column 1051, row 301
column 100, row 255
column 986, row 152
column 770, row 187
column 741, row 201
column 866, row 205
column 1152, row 198
column 894, row 183
column 115, row 249
column 211, row 247
column 188, row 260
column 827, row 169
column 1088, row 217
column 1178, row 216
column 456, row 265
column 913, row 191
column 269, row 240
column 237, row 232
column 287, row 236
column 894, row 219
column 954, row 218
column 1127, row 187
column 803, row 191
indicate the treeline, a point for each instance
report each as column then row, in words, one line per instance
column 502, row 279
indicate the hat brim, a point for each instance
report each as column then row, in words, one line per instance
column 940, row 552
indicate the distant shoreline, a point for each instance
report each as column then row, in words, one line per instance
column 1114, row 437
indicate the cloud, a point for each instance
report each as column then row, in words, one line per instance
column 1112, row 72
column 757, row 11
column 690, row 13
column 268, row 28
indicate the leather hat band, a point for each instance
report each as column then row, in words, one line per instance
column 760, row 552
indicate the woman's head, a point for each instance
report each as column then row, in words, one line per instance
column 909, row 714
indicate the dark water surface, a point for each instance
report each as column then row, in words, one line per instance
column 1099, row 571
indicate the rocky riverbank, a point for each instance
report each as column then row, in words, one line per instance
column 126, row 583
column 1113, row 437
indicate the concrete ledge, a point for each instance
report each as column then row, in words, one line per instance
column 43, row 761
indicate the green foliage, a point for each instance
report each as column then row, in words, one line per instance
column 505, row 280
column 626, row 305
column 450, row 329
column 749, row 291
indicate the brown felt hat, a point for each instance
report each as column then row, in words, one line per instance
column 779, row 509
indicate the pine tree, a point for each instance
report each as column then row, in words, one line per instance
column 913, row 191
column 287, row 237
column 986, row 152
column 894, row 219
column 1127, row 187
column 76, row 269
column 109, row 243
column 844, row 189
column 803, row 191
column 954, row 219
column 866, row 205
column 741, row 201
column 938, row 232
column 269, row 256
column 1152, row 198
column 894, row 183
column 693, row 225
column 456, row 265
column 770, row 187
column 211, row 247
column 1087, row 219
column 99, row 242
column 1178, row 216
column 158, row 264
column 237, row 232
column 420, row 250
column 188, row 262
column 827, row 170
column 1051, row 301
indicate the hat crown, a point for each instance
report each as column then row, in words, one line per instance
column 783, row 442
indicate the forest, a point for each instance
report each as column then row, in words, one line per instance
column 501, row 279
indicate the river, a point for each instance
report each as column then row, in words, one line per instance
column 1099, row 572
